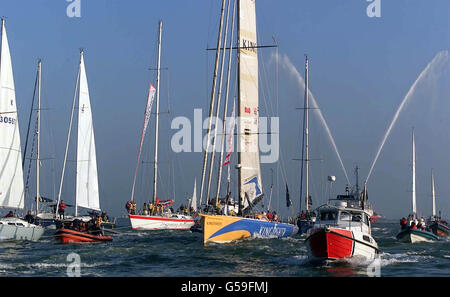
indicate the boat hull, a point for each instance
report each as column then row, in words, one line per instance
column 224, row 229
column 336, row 243
column 71, row 236
column 439, row 229
column 16, row 229
column 413, row 236
column 146, row 222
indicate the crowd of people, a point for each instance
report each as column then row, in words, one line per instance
column 157, row 209
column 93, row 226
column 412, row 223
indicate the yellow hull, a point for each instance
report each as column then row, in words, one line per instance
column 223, row 229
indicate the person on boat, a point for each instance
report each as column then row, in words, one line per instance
column 10, row 214
column 133, row 207
column 275, row 217
column 29, row 217
column 105, row 217
column 414, row 226
column 269, row 215
column 62, row 207
column 403, row 223
column 144, row 209
column 128, row 207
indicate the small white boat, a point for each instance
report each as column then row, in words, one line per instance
column 11, row 173
column 18, row 229
column 165, row 221
column 410, row 232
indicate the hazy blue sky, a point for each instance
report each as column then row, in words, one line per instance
column 361, row 68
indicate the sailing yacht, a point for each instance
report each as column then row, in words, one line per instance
column 410, row 232
column 223, row 228
column 87, row 193
column 165, row 219
column 11, row 173
column 435, row 223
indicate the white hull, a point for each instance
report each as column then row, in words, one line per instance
column 17, row 229
column 169, row 222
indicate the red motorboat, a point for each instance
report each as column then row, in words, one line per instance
column 65, row 235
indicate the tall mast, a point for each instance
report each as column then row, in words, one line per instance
column 211, row 166
column 211, row 107
column 306, row 135
column 414, row 207
column 38, row 132
column 155, row 166
column 433, row 193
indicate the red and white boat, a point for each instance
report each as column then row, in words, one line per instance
column 343, row 230
column 166, row 221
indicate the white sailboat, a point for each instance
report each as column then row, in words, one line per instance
column 165, row 219
column 87, row 193
column 11, row 173
column 410, row 232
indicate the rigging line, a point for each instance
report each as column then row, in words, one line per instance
column 29, row 120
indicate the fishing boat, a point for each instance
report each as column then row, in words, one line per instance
column 87, row 193
column 12, row 192
column 223, row 227
column 435, row 224
column 411, row 231
column 343, row 229
column 163, row 219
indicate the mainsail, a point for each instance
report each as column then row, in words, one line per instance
column 250, row 184
column 11, row 174
column 87, row 180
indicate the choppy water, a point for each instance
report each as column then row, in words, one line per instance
column 181, row 253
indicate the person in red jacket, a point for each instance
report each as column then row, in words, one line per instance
column 413, row 226
column 62, row 207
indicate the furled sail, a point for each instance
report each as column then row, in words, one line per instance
column 11, row 174
column 87, row 194
column 250, row 183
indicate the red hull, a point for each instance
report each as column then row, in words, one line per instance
column 72, row 236
column 331, row 244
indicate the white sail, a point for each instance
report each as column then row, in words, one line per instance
column 87, row 194
column 11, row 174
column 194, row 196
column 250, row 183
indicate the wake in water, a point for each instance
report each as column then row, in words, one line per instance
column 287, row 64
column 436, row 65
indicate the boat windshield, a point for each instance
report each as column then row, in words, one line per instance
column 328, row 215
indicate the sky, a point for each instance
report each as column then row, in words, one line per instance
column 361, row 68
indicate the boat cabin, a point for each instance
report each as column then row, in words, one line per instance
column 341, row 216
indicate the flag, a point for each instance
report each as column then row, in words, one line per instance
column 230, row 132
column 148, row 112
column 148, row 108
column 288, row 199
